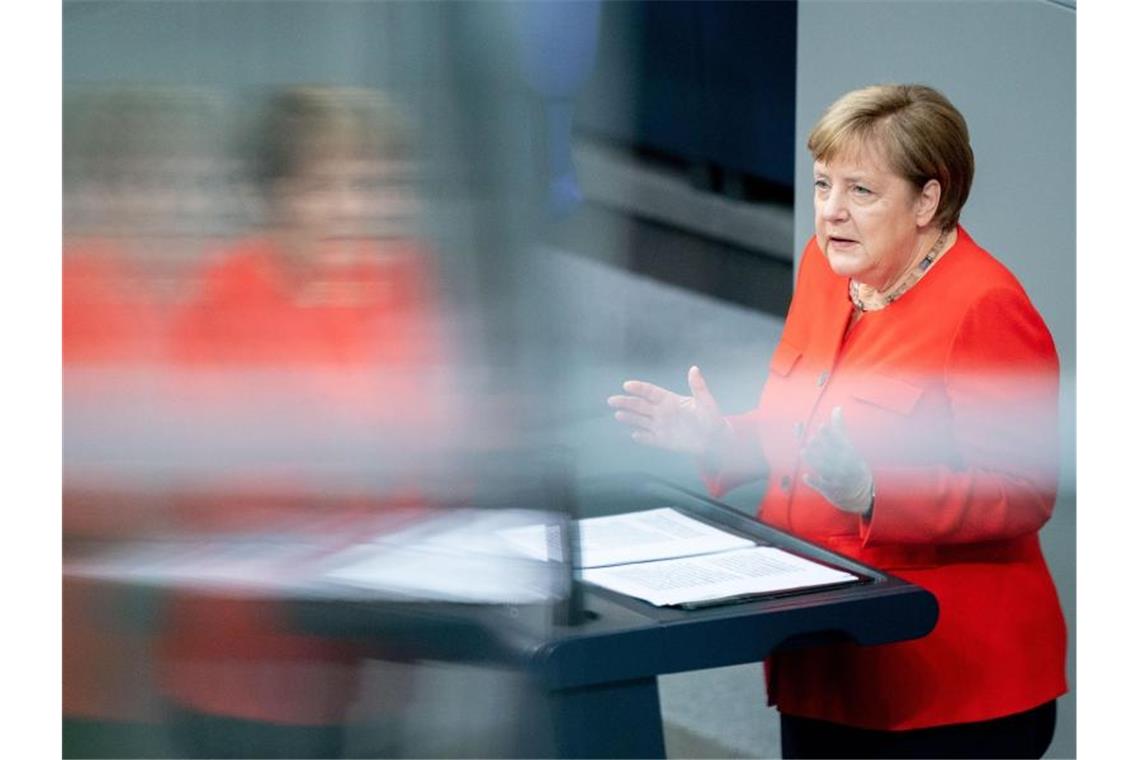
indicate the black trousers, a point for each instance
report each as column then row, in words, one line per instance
column 1022, row 735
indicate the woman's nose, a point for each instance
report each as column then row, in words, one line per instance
column 834, row 207
column 348, row 204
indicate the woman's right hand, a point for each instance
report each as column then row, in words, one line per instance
column 691, row 424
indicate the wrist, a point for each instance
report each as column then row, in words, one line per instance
column 718, row 444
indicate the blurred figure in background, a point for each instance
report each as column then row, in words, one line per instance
column 143, row 182
column 145, row 196
column 322, row 321
column 334, row 279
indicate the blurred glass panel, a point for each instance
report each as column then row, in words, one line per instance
column 307, row 341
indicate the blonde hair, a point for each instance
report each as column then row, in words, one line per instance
column 919, row 133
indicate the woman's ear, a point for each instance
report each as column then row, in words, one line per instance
column 926, row 205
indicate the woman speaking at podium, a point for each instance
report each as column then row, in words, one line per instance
column 909, row 421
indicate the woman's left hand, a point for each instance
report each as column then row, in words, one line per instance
column 836, row 469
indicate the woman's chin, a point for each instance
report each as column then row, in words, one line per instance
column 845, row 264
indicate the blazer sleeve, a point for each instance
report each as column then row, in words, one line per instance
column 743, row 460
column 1000, row 482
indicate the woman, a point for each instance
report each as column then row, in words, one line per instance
column 333, row 298
column 909, row 421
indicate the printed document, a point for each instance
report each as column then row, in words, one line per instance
column 633, row 537
column 716, row 577
column 458, row 556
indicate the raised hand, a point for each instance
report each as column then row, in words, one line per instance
column 658, row 417
column 836, row 469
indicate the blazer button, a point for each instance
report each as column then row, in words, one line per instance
column 786, row 483
column 822, row 379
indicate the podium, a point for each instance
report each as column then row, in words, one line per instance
column 592, row 686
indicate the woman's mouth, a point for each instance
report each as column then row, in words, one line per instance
column 842, row 243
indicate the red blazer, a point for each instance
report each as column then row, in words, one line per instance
column 329, row 330
column 374, row 309
column 950, row 394
column 109, row 321
column 110, row 317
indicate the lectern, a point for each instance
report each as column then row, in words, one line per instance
column 592, row 681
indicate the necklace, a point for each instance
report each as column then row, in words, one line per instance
column 866, row 298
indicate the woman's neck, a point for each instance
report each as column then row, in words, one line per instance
column 927, row 240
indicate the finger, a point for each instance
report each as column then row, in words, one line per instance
column 826, row 480
column 821, row 484
column 838, row 425
column 635, row 420
column 698, row 387
column 648, row 391
column 818, row 462
column 823, row 490
column 631, row 404
column 644, row 437
column 826, row 437
column 813, row 482
column 822, row 445
column 827, row 462
column 812, row 457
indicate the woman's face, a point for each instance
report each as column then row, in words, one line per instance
column 867, row 219
column 345, row 198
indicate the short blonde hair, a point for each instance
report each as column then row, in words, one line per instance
column 920, row 134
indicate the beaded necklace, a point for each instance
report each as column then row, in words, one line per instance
column 866, row 298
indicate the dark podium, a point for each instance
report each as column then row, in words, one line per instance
column 593, row 679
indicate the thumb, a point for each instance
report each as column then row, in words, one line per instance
column 837, row 422
column 699, row 388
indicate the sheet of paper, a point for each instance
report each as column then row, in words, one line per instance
column 633, row 537
column 265, row 564
column 458, row 556
column 744, row 572
column 454, row 555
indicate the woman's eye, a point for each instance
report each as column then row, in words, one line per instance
column 821, row 184
column 860, row 190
